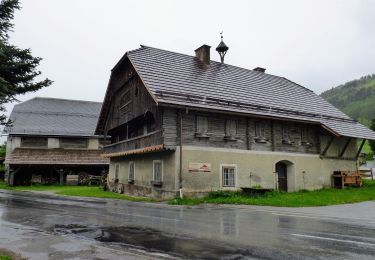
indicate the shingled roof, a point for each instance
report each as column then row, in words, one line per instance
column 183, row 80
column 54, row 117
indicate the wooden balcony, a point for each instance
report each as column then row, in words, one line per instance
column 139, row 142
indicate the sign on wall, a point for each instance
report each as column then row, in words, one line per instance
column 199, row 167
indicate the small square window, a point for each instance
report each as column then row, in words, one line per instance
column 229, row 176
column 131, row 172
column 157, row 171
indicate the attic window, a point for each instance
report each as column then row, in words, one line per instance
column 201, row 127
column 231, row 127
column 125, row 107
column 260, row 132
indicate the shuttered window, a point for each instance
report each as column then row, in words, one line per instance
column 201, row 124
column 260, row 130
column 36, row 142
column 125, row 107
column 131, row 171
column 157, row 171
column 231, row 127
column 73, row 143
column 229, row 176
column 286, row 135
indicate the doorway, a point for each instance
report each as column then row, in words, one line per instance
column 282, row 176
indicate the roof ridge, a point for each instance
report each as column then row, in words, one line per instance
column 64, row 99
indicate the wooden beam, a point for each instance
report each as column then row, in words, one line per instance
column 360, row 148
column 345, row 146
column 328, row 145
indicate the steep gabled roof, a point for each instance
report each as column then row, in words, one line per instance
column 55, row 117
column 182, row 80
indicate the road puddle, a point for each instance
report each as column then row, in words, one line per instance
column 156, row 241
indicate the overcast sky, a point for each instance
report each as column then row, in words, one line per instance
column 318, row 44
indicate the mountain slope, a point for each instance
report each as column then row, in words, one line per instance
column 355, row 98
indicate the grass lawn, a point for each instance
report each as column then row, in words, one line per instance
column 5, row 257
column 322, row 197
column 82, row 191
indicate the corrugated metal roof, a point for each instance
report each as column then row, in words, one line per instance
column 51, row 116
column 179, row 79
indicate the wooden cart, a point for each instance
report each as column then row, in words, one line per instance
column 340, row 179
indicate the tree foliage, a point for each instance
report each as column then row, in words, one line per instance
column 371, row 142
column 356, row 98
column 18, row 68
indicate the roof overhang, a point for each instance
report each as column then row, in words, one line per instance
column 148, row 149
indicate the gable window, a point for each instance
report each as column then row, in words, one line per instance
column 260, row 132
column 34, row 142
column 201, row 126
column 229, row 175
column 131, row 172
column 231, row 129
column 286, row 135
column 157, row 172
column 117, row 171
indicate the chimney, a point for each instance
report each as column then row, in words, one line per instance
column 203, row 53
column 259, row 69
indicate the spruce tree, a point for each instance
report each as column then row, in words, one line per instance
column 18, row 68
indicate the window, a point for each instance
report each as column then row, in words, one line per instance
column 201, row 124
column 39, row 142
column 73, row 143
column 117, row 170
column 285, row 131
column 231, row 128
column 260, row 130
column 157, row 171
column 305, row 136
column 131, row 171
column 229, row 173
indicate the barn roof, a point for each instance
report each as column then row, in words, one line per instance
column 54, row 117
column 56, row 157
column 183, row 80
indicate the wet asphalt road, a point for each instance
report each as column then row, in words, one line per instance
column 41, row 226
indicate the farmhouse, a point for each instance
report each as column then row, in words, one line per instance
column 50, row 139
column 181, row 124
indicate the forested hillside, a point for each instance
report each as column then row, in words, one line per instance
column 355, row 98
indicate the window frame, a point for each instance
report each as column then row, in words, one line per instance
column 25, row 145
column 228, row 166
column 133, row 177
column 285, row 133
column 161, row 170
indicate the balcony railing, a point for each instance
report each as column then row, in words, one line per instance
column 150, row 139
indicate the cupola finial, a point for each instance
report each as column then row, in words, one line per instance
column 222, row 48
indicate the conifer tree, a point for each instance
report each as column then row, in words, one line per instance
column 18, row 68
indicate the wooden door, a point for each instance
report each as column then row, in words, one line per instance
column 281, row 170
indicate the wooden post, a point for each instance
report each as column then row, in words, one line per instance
column 360, row 149
column 248, row 134
column 328, row 145
column 180, row 141
column 346, row 146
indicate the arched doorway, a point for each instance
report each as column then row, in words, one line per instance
column 282, row 176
